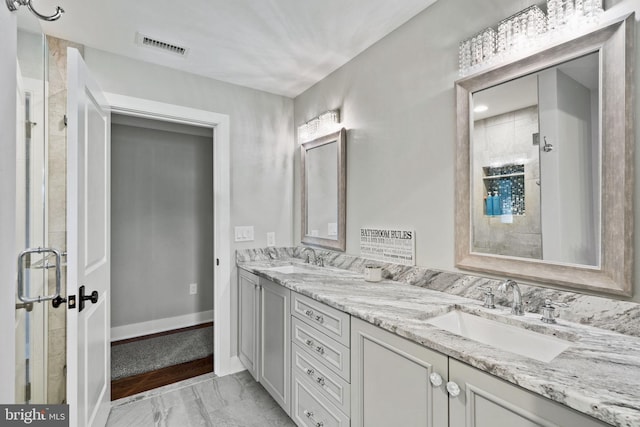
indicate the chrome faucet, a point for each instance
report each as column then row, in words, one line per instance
column 517, row 307
column 308, row 259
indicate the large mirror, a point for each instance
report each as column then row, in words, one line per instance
column 324, row 191
column 544, row 172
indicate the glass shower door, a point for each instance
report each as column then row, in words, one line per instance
column 31, row 317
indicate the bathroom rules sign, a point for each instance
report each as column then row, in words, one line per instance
column 397, row 246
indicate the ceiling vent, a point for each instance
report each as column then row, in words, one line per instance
column 163, row 46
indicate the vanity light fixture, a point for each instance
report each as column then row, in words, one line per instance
column 527, row 31
column 321, row 125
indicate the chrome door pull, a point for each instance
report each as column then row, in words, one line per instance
column 21, row 296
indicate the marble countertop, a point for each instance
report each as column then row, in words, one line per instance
column 598, row 375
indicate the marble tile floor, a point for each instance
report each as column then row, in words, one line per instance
column 231, row 401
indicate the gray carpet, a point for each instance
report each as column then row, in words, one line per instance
column 154, row 353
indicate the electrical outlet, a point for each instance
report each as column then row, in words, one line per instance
column 193, row 288
column 271, row 238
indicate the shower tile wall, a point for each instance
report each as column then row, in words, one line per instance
column 500, row 140
column 57, row 205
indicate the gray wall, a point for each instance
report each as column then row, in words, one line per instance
column 161, row 222
column 397, row 100
column 261, row 134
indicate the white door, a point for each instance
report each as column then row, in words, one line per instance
column 88, row 247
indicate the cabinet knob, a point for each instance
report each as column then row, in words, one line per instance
column 310, row 371
column 453, row 389
column 309, row 343
column 309, row 313
column 320, row 380
column 436, row 379
column 320, row 319
column 309, row 415
column 320, row 349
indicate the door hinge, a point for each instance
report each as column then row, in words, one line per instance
column 65, row 121
column 217, row 261
column 27, row 392
column 71, row 302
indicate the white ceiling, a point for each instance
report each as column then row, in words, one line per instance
column 279, row 46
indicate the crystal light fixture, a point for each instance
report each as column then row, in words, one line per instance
column 525, row 31
column 321, row 125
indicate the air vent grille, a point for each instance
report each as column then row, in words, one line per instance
column 161, row 45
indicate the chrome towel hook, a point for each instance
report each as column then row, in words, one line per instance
column 14, row 4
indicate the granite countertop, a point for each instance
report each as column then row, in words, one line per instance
column 599, row 375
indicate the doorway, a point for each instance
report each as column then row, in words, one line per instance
column 162, row 240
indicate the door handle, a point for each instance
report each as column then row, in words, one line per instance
column 21, row 296
column 93, row 297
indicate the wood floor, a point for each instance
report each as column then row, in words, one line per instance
column 149, row 380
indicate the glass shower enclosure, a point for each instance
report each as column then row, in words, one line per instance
column 38, row 381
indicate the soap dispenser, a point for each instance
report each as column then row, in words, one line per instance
column 488, row 204
column 497, row 209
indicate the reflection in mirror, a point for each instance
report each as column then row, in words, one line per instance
column 324, row 191
column 536, row 169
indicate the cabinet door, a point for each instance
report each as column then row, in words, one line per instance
column 275, row 342
column 248, row 316
column 487, row 401
column 390, row 383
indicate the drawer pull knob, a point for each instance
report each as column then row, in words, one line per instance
column 320, row 319
column 320, row 380
column 309, row 415
column 310, row 371
column 309, row 313
column 436, row 379
column 320, row 349
column 453, row 389
column 309, row 343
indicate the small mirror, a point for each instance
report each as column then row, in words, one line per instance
column 324, row 191
column 544, row 169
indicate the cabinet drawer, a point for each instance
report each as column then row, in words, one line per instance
column 332, row 322
column 326, row 382
column 311, row 409
column 321, row 347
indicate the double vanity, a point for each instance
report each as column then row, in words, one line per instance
column 333, row 349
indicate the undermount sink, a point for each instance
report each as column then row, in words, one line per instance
column 293, row 269
column 501, row 335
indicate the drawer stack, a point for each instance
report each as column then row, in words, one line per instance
column 320, row 363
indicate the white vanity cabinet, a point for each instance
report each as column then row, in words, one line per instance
column 393, row 383
column 264, row 328
column 274, row 353
column 485, row 400
column 321, row 361
column 248, row 318
column 390, row 380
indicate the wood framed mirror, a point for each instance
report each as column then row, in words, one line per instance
column 324, row 188
column 544, row 181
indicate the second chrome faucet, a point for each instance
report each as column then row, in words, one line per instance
column 517, row 307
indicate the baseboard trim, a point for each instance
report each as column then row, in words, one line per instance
column 160, row 325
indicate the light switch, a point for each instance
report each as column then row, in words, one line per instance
column 271, row 239
column 244, row 233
